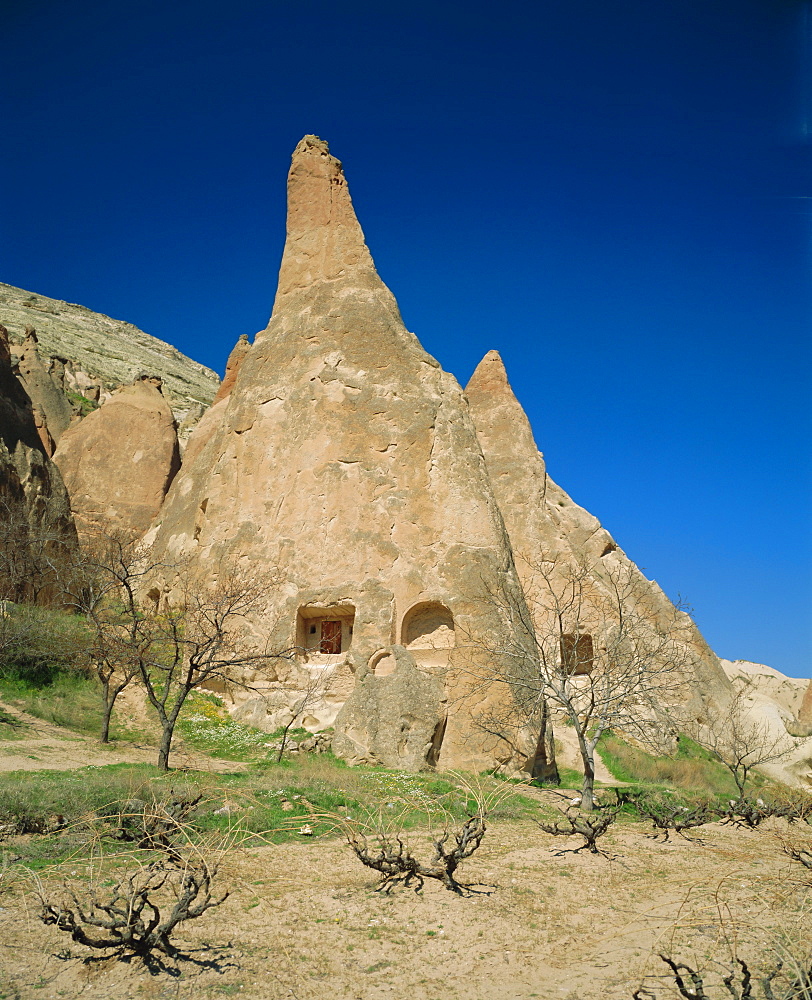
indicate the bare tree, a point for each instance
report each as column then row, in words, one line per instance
column 603, row 655
column 37, row 540
column 102, row 584
column 313, row 691
column 200, row 639
column 738, row 740
column 168, row 650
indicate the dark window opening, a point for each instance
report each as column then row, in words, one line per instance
column 577, row 653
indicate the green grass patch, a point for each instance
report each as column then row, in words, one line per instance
column 264, row 803
column 206, row 725
column 83, row 404
column 570, row 778
column 65, row 697
column 690, row 769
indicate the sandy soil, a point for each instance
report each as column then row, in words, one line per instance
column 303, row 920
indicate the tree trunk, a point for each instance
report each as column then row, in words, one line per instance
column 105, row 726
column 588, row 789
column 166, row 743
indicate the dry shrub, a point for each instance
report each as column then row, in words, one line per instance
column 139, row 914
column 382, row 845
column 588, row 825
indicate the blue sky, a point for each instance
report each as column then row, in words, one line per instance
column 615, row 194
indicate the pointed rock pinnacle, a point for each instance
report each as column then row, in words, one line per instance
column 324, row 239
column 489, row 375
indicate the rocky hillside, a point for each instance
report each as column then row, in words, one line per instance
column 108, row 350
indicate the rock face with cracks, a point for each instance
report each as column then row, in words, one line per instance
column 119, row 461
column 344, row 464
column 106, row 350
column 32, row 495
column 46, row 395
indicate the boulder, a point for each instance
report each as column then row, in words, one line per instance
column 120, row 460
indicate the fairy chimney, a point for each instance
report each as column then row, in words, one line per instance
column 343, row 469
column 550, row 533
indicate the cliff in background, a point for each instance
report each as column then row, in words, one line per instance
column 106, row 350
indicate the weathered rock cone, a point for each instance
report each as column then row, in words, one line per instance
column 235, row 360
column 344, row 470
column 543, row 522
column 119, row 461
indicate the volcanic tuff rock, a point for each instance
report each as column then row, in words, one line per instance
column 32, row 494
column 235, row 360
column 110, row 350
column 46, row 394
column 345, row 463
column 119, row 461
column 542, row 520
column 786, row 692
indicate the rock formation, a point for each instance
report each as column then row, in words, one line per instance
column 33, row 499
column 104, row 352
column 805, row 709
column 47, row 396
column 774, row 704
column 235, row 360
column 119, row 462
column 344, row 470
column 542, row 520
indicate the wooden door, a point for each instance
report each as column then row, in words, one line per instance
column 330, row 637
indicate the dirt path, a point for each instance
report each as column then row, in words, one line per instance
column 42, row 746
column 570, row 756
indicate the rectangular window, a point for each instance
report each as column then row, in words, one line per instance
column 577, row 654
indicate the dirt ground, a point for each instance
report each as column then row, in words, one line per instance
column 42, row 746
column 303, row 920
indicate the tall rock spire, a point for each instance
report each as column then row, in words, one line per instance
column 324, row 237
column 344, row 469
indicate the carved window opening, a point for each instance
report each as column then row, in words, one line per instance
column 428, row 626
column 324, row 631
column 577, row 653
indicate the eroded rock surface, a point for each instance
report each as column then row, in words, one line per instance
column 33, row 499
column 235, row 360
column 544, row 523
column 47, row 396
column 119, row 462
column 345, row 463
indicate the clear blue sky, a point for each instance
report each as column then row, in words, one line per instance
column 615, row 195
